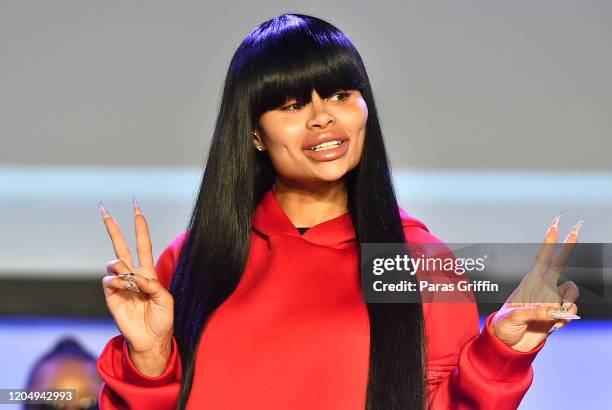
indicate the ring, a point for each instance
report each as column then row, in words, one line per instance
column 131, row 285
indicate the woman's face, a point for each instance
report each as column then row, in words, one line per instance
column 289, row 133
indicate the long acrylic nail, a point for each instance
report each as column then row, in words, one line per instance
column 132, row 286
column 577, row 228
column 103, row 209
column 555, row 327
column 136, row 205
column 555, row 222
column 561, row 314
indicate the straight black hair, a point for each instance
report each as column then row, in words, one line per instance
column 283, row 58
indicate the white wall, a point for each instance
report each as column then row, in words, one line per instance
column 478, row 84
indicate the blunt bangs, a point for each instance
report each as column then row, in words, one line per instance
column 290, row 56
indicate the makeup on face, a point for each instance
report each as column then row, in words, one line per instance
column 327, row 146
column 321, row 139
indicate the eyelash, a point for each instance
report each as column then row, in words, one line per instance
column 346, row 93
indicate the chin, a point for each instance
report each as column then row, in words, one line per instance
column 332, row 175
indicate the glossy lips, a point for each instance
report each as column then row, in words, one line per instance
column 326, row 154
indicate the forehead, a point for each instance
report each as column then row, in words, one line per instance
column 63, row 371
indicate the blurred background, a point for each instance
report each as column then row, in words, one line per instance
column 497, row 116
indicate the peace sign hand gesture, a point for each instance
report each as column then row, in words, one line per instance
column 142, row 308
column 535, row 308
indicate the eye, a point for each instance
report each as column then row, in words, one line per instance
column 344, row 94
column 289, row 107
column 291, row 104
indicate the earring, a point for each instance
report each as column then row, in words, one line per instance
column 259, row 147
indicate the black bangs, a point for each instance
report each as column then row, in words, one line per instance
column 291, row 55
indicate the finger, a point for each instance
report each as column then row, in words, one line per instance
column 560, row 259
column 546, row 250
column 122, row 251
column 117, row 267
column 121, row 281
column 132, row 282
column 572, row 310
column 150, row 287
column 524, row 314
column 112, row 284
column 143, row 240
column 562, row 322
column 569, row 293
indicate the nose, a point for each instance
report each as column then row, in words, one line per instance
column 320, row 117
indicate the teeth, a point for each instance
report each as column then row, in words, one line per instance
column 326, row 145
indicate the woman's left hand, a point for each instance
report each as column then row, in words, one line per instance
column 538, row 305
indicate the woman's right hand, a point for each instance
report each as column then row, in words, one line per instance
column 144, row 316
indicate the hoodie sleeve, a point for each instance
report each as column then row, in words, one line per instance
column 125, row 387
column 467, row 369
column 481, row 373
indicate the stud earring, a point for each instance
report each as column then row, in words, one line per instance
column 259, row 147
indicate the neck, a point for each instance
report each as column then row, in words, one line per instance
column 307, row 206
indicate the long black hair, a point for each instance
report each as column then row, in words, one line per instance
column 287, row 57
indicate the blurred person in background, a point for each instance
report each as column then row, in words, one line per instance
column 66, row 366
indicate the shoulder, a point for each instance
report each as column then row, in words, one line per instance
column 415, row 230
column 421, row 240
column 451, row 318
column 168, row 258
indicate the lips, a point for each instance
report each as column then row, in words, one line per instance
column 329, row 154
column 310, row 143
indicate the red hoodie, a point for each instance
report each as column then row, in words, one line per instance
column 295, row 334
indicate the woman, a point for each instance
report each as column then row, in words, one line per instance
column 263, row 315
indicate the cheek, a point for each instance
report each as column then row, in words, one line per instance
column 355, row 119
column 362, row 107
column 358, row 126
column 280, row 132
column 356, row 122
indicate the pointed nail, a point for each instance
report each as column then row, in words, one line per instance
column 555, row 222
column 132, row 286
column 103, row 209
column 136, row 205
column 577, row 227
column 555, row 327
column 560, row 314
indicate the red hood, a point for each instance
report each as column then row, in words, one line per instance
column 270, row 219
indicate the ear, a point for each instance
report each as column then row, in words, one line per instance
column 257, row 140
